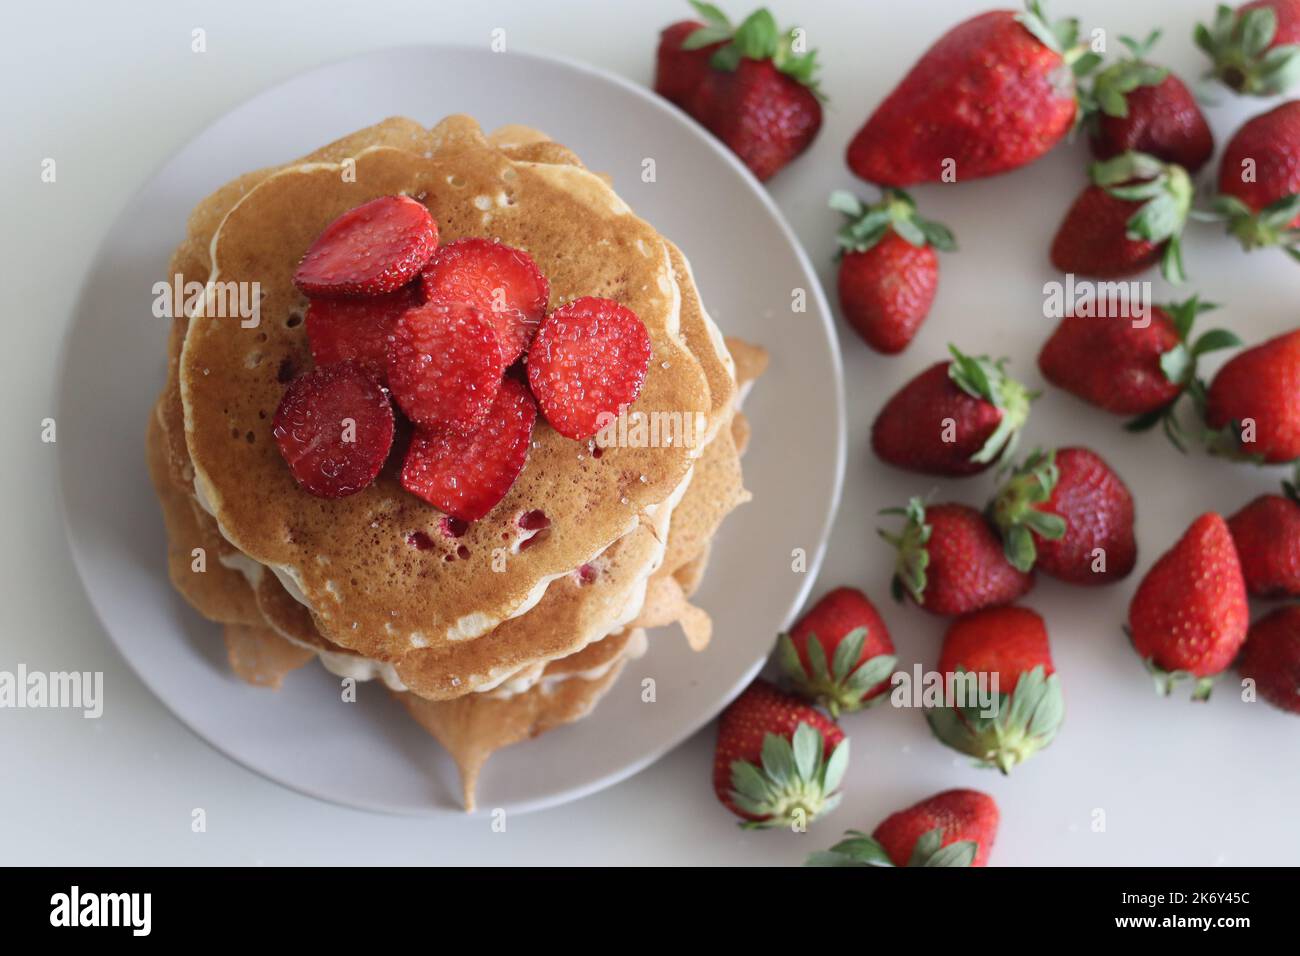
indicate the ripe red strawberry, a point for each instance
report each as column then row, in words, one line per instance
column 502, row 282
column 1009, row 646
column 375, row 248
column 340, row 329
column 1131, row 363
column 1267, row 535
column 760, row 113
column 1130, row 218
column 778, row 761
column 1134, row 105
column 840, row 653
column 952, row 828
column 588, row 361
column 1271, row 657
column 466, row 476
column 994, row 93
column 1255, row 48
column 1189, row 615
column 888, row 269
column 681, row 62
column 758, row 95
column 444, row 365
column 1259, row 180
column 334, row 427
column 955, row 418
column 950, row 561
column 1068, row 514
column 1253, row 402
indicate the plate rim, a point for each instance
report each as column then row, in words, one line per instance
column 815, row 559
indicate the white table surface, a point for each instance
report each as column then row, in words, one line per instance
column 110, row 90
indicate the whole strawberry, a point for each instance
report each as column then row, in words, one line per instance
column 952, row 828
column 778, row 761
column 1067, row 513
column 1271, row 657
column 1131, row 363
column 1255, row 48
column 994, row 93
column 888, row 268
column 1189, row 615
column 950, row 561
column 1259, row 180
column 955, row 418
column 1253, row 403
column 1267, row 535
column 757, row 92
column 1135, row 105
column 840, row 653
column 1006, row 649
column 1129, row 219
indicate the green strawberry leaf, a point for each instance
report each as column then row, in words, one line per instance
column 711, row 14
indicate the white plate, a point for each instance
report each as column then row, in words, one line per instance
column 369, row 754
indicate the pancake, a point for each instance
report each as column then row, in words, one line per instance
column 472, row 728
column 261, row 657
column 217, row 592
column 349, row 559
column 553, row 654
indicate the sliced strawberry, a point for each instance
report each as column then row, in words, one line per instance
column 589, row 360
column 334, row 427
column 503, row 282
column 444, row 364
column 375, row 248
column 465, row 476
column 340, row 329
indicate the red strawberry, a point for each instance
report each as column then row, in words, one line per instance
column 587, row 363
column 340, row 329
column 1254, row 48
column 444, row 364
column 500, row 281
column 1267, row 535
column 952, row 828
column 1133, row 105
column 1009, row 646
column 993, row 94
column 758, row 95
column 1271, row 657
column 1131, row 364
column 1189, row 615
column 465, row 476
column 888, row 269
column 375, row 248
column 950, row 561
column 682, row 60
column 840, row 653
column 1259, row 180
column 1254, row 402
column 955, row 418
column 760, row 113
column 1130, row 218
column 778, row 762
column 334, row 427
column 1068, row 514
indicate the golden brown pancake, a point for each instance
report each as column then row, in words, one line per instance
column 260, row 656
column 351, row 560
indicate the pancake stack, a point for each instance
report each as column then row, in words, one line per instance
column 490, row 631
